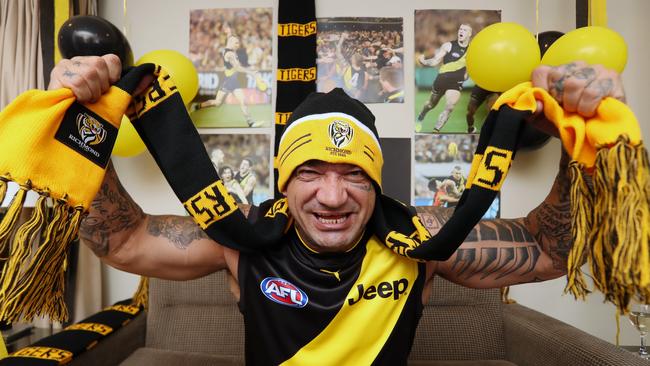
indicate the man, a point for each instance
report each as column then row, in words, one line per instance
column 349, row 300
column 232, row 82
column 391, row 80
column 247, row 178
column 353, row 73
column 448, row 191
column 451, row 76
column 478, row 96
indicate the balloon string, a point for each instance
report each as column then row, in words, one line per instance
column 536, row 19
column 124, row 23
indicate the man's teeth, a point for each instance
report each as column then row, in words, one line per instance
column 332, row 219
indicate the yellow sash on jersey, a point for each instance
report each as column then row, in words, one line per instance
column 358, row 332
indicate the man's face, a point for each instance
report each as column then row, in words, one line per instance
column 244, row 166
column 464, row 32
column 457, row 175
column 226, row 175
column 330, row 203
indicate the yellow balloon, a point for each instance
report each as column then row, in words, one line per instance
column 179, row 67
column 501, row 56
column 594, row 45
column 128, row 141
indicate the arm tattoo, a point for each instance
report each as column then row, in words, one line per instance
column 112, row 211
column 550, row 222
column 181, row 231
column 503, row 261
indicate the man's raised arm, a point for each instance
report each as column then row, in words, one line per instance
column 116, row 228
column 510, row 251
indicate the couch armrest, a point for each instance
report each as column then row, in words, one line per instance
column 116, row 347
column 535, row 339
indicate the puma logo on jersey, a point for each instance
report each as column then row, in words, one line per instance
column 384, row 290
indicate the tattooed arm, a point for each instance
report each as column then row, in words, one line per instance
column 171, row 247
column 535, row 248
column 116, row 229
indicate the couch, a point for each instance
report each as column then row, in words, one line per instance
column 197, row 323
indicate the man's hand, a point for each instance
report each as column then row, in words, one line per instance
column 579, row 87
column 87, row 76
column 90, row 76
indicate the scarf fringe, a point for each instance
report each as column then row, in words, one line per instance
column 3, row 187
column 21, row 248
column 141, row 296
column 619, row 233
column 581, row 211
column 38, row 290
column 10, row 220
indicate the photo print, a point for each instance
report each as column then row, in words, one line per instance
column 446, row 99
column 442, row 164
column 364, row 56
column 243, row 163
column 232, row 52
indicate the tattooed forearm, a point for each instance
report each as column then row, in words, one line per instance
column 484, row 262
column 112, row 211
column 550, row 222
column 181, row 231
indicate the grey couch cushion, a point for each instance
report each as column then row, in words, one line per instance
column 195, row 316
column 462, row 363
column 459, row 323
column 159, row 357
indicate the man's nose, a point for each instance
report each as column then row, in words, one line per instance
column 332, row 192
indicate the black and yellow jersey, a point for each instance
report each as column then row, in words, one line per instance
column 455, row 59
column 360, row 307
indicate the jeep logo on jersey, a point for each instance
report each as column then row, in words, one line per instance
column 383, row 289
column 283, row 292
column 341, row 133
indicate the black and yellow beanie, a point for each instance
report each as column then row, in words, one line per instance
column 331, row 127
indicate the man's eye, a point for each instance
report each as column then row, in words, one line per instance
column 356, row 175
column 306, row 174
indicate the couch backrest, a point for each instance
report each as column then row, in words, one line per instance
column 202, row 316
column 195, row 316
column 460, row 323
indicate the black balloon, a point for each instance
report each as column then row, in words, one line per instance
column 546, row 39
column 89, row 35
column 532, row 138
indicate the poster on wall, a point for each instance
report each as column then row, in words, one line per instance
column 442, row 163
column 446, row 100
column 364, row 56
column 232, row 52
column 243, row 163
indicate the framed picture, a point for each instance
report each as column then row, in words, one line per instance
column 243, row 162
column 363, row 56
column 232, row 52
column 442, row 164
column 446, row 100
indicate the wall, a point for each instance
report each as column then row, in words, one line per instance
column 157, row 24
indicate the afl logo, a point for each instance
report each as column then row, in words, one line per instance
column 283, row 292
column 92, row 132
column 341, row 133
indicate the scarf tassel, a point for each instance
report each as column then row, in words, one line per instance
column 620, row 257
column 581, row 209
column 10, row 220
column 38, row 290
column 141, row 296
